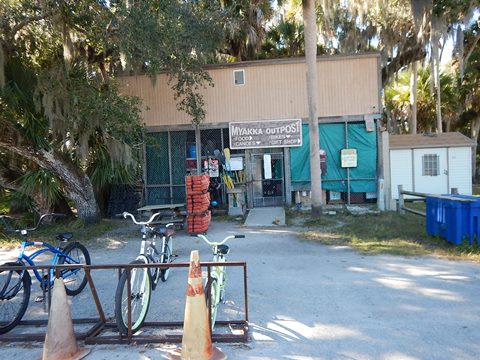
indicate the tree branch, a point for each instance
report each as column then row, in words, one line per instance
column 25, row 22
column 414, row 54
column 475, row 42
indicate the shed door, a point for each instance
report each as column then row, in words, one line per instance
column 430, row 170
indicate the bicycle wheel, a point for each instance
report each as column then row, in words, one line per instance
column 14, row 296
column 165, row 259
column 141, row 292
column 214, row 299
column 74, row 279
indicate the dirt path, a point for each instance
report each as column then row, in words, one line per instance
column 308, row 301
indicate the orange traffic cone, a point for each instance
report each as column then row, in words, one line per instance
column 60, row 342
column 197, row 336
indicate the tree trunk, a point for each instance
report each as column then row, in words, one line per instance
column 438, row 98
column 475, row 129
column 310, row 25
column 413, row 98
column 76, row 183
column 435, row 74
column 198, row 147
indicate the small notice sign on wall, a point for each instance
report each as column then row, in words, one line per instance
column 349, row 158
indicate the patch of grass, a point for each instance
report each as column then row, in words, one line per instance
column 291, row 215
column 47, row 233
column 476, row 189
column 322, row 221
column 384, row 226
column 387, row 233
column 294, row 217
column 393, row 247
column 325, row 238
column 417, row 205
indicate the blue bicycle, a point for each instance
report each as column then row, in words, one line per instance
column 15, row 284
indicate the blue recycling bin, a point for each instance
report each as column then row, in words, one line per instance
column 435, row 215
column 470, row 218
column 453, row 220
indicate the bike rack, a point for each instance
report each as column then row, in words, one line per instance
column 94, row 334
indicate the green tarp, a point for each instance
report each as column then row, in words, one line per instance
column 332, row 140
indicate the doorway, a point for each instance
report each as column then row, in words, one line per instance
column 268, row 179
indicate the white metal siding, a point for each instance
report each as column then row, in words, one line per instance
column 460, row 169
column 401, row 170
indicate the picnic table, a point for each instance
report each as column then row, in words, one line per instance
column 169, row 213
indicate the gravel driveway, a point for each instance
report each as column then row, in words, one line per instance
column 306, row 301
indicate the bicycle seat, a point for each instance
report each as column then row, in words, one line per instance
column 223, row 249
column 163, row 231
column 64, row 236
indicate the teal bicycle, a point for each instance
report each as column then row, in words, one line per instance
column 216, row 284
column 15, row 284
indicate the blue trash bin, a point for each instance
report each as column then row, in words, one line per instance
column 455, row 221
column 470, row 218
column 455, row 228
column 435, row 216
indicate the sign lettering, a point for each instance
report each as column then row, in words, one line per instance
column 264, row 134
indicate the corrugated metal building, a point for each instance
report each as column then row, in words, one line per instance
column 264, row 95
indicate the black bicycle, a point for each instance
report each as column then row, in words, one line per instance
column 143, row 280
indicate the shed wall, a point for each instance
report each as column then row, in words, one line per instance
column 401, row 170
column 458, row 166
column 460, row 169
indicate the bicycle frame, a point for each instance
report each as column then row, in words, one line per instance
column 24, row 258
column 218, row 271
column 215, row 283
column 143, row 243
column 148, row 251
column 56, row 251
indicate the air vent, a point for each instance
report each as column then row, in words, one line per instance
column 239, row 77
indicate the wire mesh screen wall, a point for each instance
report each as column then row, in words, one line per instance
column 171, row 155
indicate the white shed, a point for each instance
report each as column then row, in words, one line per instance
column 433, row 163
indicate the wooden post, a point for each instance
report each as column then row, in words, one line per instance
column 401, row 201
column 454, row 191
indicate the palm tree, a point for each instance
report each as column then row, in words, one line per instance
column 398, row 100
column 245, row 26
column 310, row 25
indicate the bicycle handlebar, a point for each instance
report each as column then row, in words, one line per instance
column 127, row 214
column 9, row 228
column 221, row 242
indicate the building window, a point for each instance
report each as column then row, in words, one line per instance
column 238, row 77
column 430, row 165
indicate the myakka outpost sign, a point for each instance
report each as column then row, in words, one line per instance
column 264, row 134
